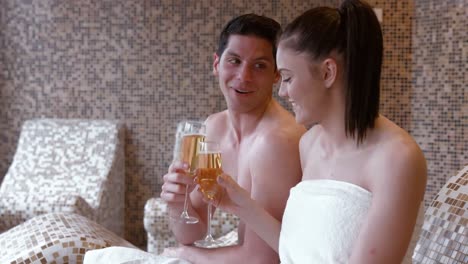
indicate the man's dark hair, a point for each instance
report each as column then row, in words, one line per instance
column 250, row 25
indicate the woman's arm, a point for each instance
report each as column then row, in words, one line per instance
column 238, row 201
column 398, row 186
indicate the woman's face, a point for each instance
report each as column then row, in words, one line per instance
column 302, row 83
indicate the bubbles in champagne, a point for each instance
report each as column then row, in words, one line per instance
column 207, row 180
column 188, row 149
column 209, row 167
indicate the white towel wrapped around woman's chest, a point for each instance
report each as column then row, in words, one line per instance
column 322, row 221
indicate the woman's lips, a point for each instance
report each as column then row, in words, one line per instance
column 293, row 104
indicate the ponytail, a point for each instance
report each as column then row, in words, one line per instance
column 354, row 31
column 363, row 56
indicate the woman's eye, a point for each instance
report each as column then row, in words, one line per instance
column 286, row 79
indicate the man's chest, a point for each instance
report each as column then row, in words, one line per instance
column 236, row 162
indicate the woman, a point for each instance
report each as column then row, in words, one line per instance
column 363, row 176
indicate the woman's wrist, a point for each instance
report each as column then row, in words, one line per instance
column 247, row 208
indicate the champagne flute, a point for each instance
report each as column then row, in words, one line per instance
column 208, row 169
column 188, row 135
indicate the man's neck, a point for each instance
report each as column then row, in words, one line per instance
column 245, row 124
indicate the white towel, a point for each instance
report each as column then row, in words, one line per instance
column 323, row 219
column 123, row 255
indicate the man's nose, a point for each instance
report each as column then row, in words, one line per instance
column 245, row 73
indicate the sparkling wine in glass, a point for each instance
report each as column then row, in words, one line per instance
column 208, row 170
column 188, row 136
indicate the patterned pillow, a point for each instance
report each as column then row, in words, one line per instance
column 444, row 235
column 55, row 238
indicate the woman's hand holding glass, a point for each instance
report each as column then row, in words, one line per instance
column 231, row 197
column 207, row 171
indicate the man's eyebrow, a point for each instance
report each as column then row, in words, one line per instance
column 231, row 53
column 261, row 58
column 264, row 58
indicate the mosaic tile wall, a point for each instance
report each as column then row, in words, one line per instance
column 148, row 63
column 440, row 95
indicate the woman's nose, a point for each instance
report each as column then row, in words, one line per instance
column 283, row 92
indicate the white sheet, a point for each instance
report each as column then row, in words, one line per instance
column 123, row 255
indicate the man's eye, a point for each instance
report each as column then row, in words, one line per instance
column 260, row 66
column 234, row 61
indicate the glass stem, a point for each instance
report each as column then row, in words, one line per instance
column 185, row 213
column 208, row 230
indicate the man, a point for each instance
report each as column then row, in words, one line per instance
column 259, row 141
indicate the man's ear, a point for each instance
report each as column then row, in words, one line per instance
column 329, row 72
column 277, row 76
column 215, row 64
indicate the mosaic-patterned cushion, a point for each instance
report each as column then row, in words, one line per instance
column 66, row 165
column 156, row 221
column 55, row 238
column 444, row 235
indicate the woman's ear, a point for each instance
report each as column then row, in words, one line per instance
column 215, row 64
column 329, row 72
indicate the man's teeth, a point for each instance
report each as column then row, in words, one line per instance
column 241, row 91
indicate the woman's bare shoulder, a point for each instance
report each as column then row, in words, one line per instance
column 393, row 142
column 398, row 157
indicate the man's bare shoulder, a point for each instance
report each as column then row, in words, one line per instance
column 274, row 163
column 216, row 124
column 275, row 153
column 280, row 126
column 217, row 118
column 279, row 135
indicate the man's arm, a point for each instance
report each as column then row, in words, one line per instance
column 274, row 168
column 173, row 192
